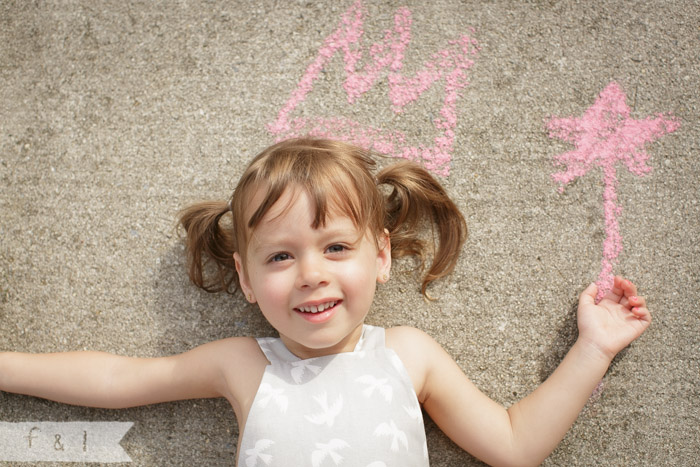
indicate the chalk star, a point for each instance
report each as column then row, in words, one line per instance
column 605, row 135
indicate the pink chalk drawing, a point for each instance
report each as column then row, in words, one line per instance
column 604, row 136
column 449, row 65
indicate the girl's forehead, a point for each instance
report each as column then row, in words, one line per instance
column 294, row 207
column 295, row 200
column 291, row 219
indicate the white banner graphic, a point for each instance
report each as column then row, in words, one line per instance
column 63, row 441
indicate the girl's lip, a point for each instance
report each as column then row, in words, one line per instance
column 321, row 316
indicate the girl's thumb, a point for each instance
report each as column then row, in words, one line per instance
column 588, row 295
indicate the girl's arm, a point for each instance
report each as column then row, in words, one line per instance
column 99, row 379
column 527, row 432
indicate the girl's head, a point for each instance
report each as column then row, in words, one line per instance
column 313, row 281
column 339, row 180
column 336, row 176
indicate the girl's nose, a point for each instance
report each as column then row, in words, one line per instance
column 311, row 272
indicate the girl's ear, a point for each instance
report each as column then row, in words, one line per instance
column 384, row 258
column 243, row 278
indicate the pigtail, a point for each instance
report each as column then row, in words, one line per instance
column 207, row 241
column 416, row 198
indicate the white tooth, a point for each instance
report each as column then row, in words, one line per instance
column 317, row 308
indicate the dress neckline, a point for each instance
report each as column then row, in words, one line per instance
column 281, row 352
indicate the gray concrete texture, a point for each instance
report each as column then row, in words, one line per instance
column 114, row 115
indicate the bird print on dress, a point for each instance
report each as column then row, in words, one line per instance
column 328, row 413
column 328, row 450
column 300, row 367
column 257, row 453
column 378, row 384
column 397, row 436
column 267, row 393
column 413, row 411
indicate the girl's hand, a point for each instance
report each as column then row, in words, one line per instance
column 613, row 323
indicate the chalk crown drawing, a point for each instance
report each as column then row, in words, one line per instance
column 448, row 66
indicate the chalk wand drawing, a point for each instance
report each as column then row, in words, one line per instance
column 604, row 136
column 449, row 65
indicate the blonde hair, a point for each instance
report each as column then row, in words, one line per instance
column 338, row 178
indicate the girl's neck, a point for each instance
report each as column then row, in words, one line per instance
column 347, row 344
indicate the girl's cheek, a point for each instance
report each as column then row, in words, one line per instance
column 275, row 287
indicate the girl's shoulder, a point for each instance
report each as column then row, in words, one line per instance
column 418, row 353
column 407, row 336
column 242, row 364
column 237, row 359
column 241, row 351
column 400, row 335
column 412, row 344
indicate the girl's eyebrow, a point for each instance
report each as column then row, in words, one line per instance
column 256, row 244
column 282, row 239
column 340, row 231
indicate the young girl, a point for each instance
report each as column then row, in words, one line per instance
column 307, row 234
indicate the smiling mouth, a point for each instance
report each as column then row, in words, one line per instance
column 317, row 308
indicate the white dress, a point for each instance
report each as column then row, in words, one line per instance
column 353, row 409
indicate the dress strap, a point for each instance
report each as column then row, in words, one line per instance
column 372, row 338
column 275, row 350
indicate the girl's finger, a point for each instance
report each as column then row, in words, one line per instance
column 637, row 301
column 617, row 292
column 629, row 288
column 642, row 313
column 588, row 295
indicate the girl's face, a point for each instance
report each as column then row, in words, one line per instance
column 315, row 286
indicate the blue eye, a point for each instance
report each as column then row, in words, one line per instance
column 336, row 249
column 279, row 257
